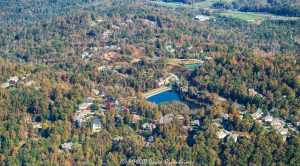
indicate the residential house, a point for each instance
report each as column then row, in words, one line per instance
column 97, row 125
column 170, row 48
column 283, row 131
column 67, row 146
column 201, row 18
column 150, row 139
column 257, row 114
column 82, row 116
column 126, row 111
column 37, row 125
column 86, row 55
column 99, row 20
column 277, row 126
column 167, row 118
column 102, row 68
column 148, row 126
column 161, row 82
column 276, row 122
column 128, row 20
column 115, row 27
column 184, row 89
column 206, row 57
column 225, row 116
column 102, row 94
column 118, row 139
column 95, row 91
column 13, row 80
column 135, row 118
column 195, row 122
column 221, row 134
column 85, row 104
column 252, row 92
column 268, row 118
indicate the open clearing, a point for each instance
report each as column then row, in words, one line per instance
column 250, row 16
column 244, row 16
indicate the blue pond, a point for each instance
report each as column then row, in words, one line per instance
column 164, row 97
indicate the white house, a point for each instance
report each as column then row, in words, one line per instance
column 86, row 55
column 36, row 125
column 195, row 123
column 268, row 118
column 85, row 104
column 257, row 114
column 284, row 131
column 148, row 126
column 13, row 80
column 118, row 139
column 67, row 146
column 166, row 119
column 160, row 82
column 201, row 18
column 97, row 125
column 99, row 20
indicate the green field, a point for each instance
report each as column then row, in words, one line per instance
column 245, row 16
column 255, row 16
column 206, row 4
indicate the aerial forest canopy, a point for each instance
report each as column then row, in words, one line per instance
column 133, row 82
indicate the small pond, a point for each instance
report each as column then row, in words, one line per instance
column 164, row 97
